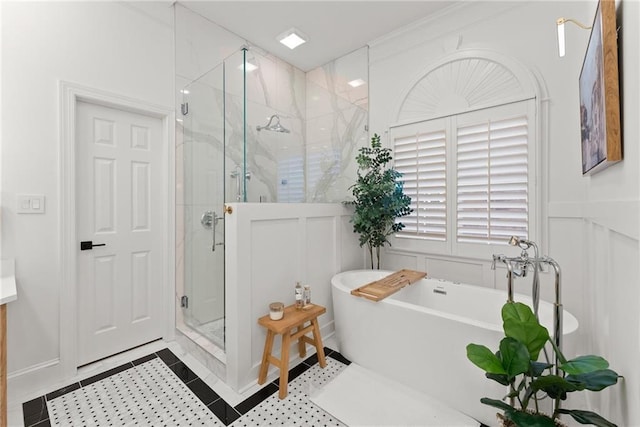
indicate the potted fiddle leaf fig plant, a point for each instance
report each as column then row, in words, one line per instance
column 378, row 199
column 516, row 366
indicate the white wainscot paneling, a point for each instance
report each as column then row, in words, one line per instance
column 455, row 270
column 566, row 244
column 270, row 246
column 320, row 244
column 612, row 319
column 471, row 273
column 351, row 255
column 397, row 261
column 624, row 323
column 272, row 241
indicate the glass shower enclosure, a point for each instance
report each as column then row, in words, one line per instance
column 255, row 129
column 227, row 158
column 203, row 197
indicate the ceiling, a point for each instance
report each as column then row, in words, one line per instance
column 334, row 28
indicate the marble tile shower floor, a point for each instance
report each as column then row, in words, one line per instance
column 214, row 331
column 160, row 390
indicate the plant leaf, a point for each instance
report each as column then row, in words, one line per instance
column 484, row 359
column 378, row 197
column 525, row 419
column 497, row 404
column 520, row 323
column 554, row 386
column 537, row 368
column 587, row 417
column 515, row 357
column 500, row 378
column 594, row 381
column 584, row 365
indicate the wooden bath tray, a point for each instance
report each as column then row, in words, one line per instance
column 380, row 289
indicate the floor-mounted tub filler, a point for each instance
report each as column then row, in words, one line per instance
column 417, row 337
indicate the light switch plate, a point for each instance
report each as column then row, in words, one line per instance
column 30, row 203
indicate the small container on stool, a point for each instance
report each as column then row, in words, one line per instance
column 276, row 310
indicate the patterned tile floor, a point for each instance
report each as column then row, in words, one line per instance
column 160, row 390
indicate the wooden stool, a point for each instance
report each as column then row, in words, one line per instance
column 293, row 318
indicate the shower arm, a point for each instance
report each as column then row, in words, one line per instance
column 273, row 125
column 268, row 125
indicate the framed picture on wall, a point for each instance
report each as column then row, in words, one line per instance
column 599, row 94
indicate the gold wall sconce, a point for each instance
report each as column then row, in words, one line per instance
column 560, row 23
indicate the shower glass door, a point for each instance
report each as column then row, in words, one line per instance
column 204, row 169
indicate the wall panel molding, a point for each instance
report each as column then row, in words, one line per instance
column 268, row 247
column 621, row 216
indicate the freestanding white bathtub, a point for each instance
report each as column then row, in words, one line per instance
column 418, row 336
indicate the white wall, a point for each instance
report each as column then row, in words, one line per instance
column 590, row 224
column 112, row 47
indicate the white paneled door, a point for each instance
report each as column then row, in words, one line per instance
column 119, row 228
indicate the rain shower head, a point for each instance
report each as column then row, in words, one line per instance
column 273, row 125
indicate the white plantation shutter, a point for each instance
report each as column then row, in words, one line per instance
column 492, row 180
column 471, row 179
column 421, row 158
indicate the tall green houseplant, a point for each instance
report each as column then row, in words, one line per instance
column 378, row 199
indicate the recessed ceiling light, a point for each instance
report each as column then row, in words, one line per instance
column 249, row 67
column 292, row 38
column 185, row 91
column 356, row 82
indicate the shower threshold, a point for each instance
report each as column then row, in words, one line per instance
column 214, row 331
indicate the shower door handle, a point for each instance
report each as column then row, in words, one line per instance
column 216, row 218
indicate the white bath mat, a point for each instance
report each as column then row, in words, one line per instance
column 360, row 397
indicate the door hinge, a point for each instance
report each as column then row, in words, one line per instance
column 184, row 301
column 184, row 108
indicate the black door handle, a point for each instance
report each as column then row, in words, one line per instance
column 88, row 245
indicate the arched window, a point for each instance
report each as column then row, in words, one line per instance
column 465, row 141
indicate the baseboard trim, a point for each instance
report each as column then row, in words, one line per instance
column 34, row 381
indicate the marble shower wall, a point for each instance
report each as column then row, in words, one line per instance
column 327, row 117
column 337, row 119
column 274, row 161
